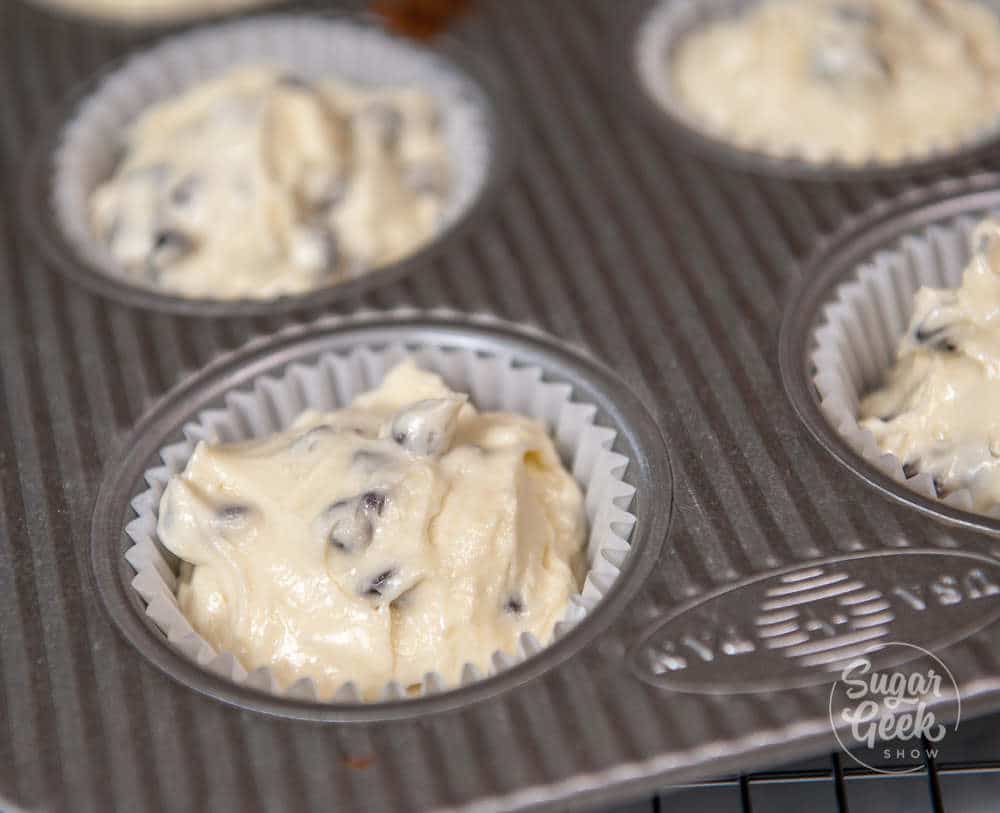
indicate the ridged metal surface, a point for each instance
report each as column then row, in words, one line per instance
column 673, row 271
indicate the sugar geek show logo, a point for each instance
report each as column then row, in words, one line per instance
column 880, row 716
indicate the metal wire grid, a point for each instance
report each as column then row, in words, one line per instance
column 964, row 778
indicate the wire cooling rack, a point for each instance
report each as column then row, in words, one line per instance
column 963, row 778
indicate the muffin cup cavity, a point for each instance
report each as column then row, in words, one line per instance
column 495, row 383
column 653, row 39
column 855, row 341
column 86, row 150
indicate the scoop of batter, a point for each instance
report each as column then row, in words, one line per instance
column 405, row 534
column 852, row 80
column 139, row 11
column 940, row 409
column 260, row 184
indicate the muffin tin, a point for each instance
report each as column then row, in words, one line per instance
column 653, row 279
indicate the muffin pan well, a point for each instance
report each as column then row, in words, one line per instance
column 673, row 271
column 608, row 440
column 648, row 39
column 849, row 316
column 83, row 147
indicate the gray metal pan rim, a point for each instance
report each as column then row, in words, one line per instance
column 46, row 234
column 687, row 135
column 593, row 382
column 833, row 261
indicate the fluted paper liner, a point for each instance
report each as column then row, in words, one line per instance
column 859, row 331
column 493, row 384
column 314, row 48
column 669, row 21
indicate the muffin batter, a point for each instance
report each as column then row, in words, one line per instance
column 138, row 11
column 405, row 534
column 260, row 184
column 940, row 409
column 848, row 80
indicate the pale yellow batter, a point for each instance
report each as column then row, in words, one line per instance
column 940, row 409
column 148, row 11
column 260, row 184
column 405, row 534
column 847, row 80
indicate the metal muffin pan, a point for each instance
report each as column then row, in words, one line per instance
column 673, row 271
column 463, row 74
column 664, row 23
column 592, row 383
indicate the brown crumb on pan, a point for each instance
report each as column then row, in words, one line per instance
column 420, row 19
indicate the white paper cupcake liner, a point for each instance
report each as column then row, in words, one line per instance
column 493, row 383
column 312, row 47
column 860, row 330
column 667, row 22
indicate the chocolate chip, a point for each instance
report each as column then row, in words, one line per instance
column 183, row 193
column 514, row 605
column 295, row 82
column 380, row 585
column 169, row 246
column 427, row 427
column 924, row 336
column 233, row 513
column 939, row 490
column 374, row 502
column 911, row 469
column 349, row 525
column 935, row 338
column 345, row 527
